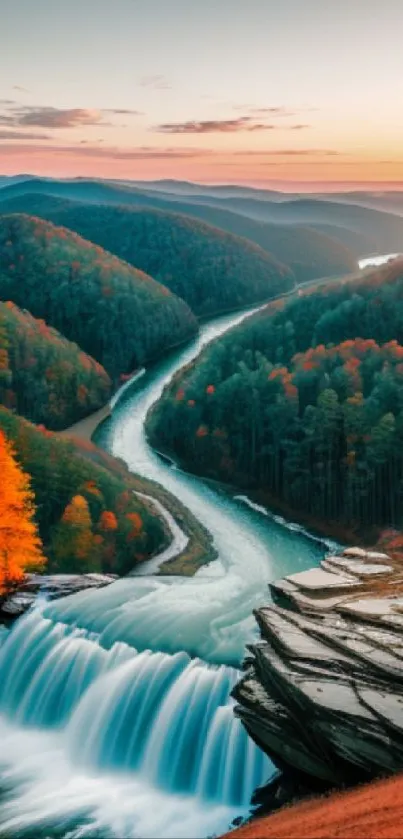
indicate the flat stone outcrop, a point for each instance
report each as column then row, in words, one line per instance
column 52, row 586
column 322, row 691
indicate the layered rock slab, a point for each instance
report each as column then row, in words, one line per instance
column 322, row 692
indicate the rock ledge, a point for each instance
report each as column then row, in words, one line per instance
column 322, row 692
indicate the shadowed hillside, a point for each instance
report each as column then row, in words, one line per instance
column 309, row 253
column 117, row 314
column 212, row 270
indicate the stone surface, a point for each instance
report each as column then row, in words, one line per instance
column 51, row 586
column 323, row 689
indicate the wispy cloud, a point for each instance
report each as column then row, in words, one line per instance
column 221, row 126
column 288, row 153
column 272, row 111
column 157, row 82
column 21, row 89
column 53, row 118
column 7, row 134
column 122, row 112
column 110, row 153
column 48, row 117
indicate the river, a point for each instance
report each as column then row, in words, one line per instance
column 115, row 711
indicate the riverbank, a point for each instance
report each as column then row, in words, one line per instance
column 320, row 528
column 199, row 549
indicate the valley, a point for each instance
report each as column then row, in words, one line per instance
column 116, row 707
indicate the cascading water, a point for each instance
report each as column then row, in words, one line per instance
column 115, row 711
column 148, row 726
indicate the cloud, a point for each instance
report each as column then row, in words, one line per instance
column 157, row 82
column 54, row 118
column 212, row 126
column 7, row 134
column 122, row 111
column 47, row 117
column 222, row 126
column 110, row 153
column 287, row 152
column 275, row 111
column 21, row 89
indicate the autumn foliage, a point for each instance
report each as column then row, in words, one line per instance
column 43, row 376
column 303, row 408
column 88, row 516
column 115, row 313
column 20, row 546
column 212, row 270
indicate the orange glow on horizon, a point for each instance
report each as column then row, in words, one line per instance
column 216, row 167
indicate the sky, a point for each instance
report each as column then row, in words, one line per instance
column 276, row 93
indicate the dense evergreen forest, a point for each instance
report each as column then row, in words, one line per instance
column 292, row 402
column 308, row 253
column 88, row 516
column 43, row 376
column 212, row 270
column 117, row 314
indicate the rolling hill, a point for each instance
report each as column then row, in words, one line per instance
column 119, row 315
column 211, row 270
column 43, row 376
column 309, row 253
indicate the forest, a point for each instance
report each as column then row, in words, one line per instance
column 292, row 403
column 212, row 270
column 117, row 314
column 88, row 517
column 43, row 376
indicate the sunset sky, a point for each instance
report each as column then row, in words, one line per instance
column 266, row 92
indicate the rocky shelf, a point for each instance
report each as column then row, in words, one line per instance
column 51, row 586
column 322, row 692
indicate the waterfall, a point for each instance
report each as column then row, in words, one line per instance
column 150, row 726
column 115, row 711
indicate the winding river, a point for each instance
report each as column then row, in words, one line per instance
column 115, row 711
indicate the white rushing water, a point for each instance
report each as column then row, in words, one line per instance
column 376, row 260
column 129, row 744
column 116, row 717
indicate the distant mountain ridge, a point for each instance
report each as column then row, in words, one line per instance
column 308, row 253
column 212, row 270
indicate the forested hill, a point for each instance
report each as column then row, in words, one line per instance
column 117, row 314
column 88, row 515
column 212, row 270
column 303, row 402
column 43, row 376
column 309, row 253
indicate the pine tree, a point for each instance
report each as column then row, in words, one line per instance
column 20, row 546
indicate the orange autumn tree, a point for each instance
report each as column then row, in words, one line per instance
column 20, row 545
column 74, row 542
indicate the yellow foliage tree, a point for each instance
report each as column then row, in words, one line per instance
column 20, row 545
column 74, row 540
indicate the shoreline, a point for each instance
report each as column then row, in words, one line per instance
column 322, row 530
column 199, row 549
